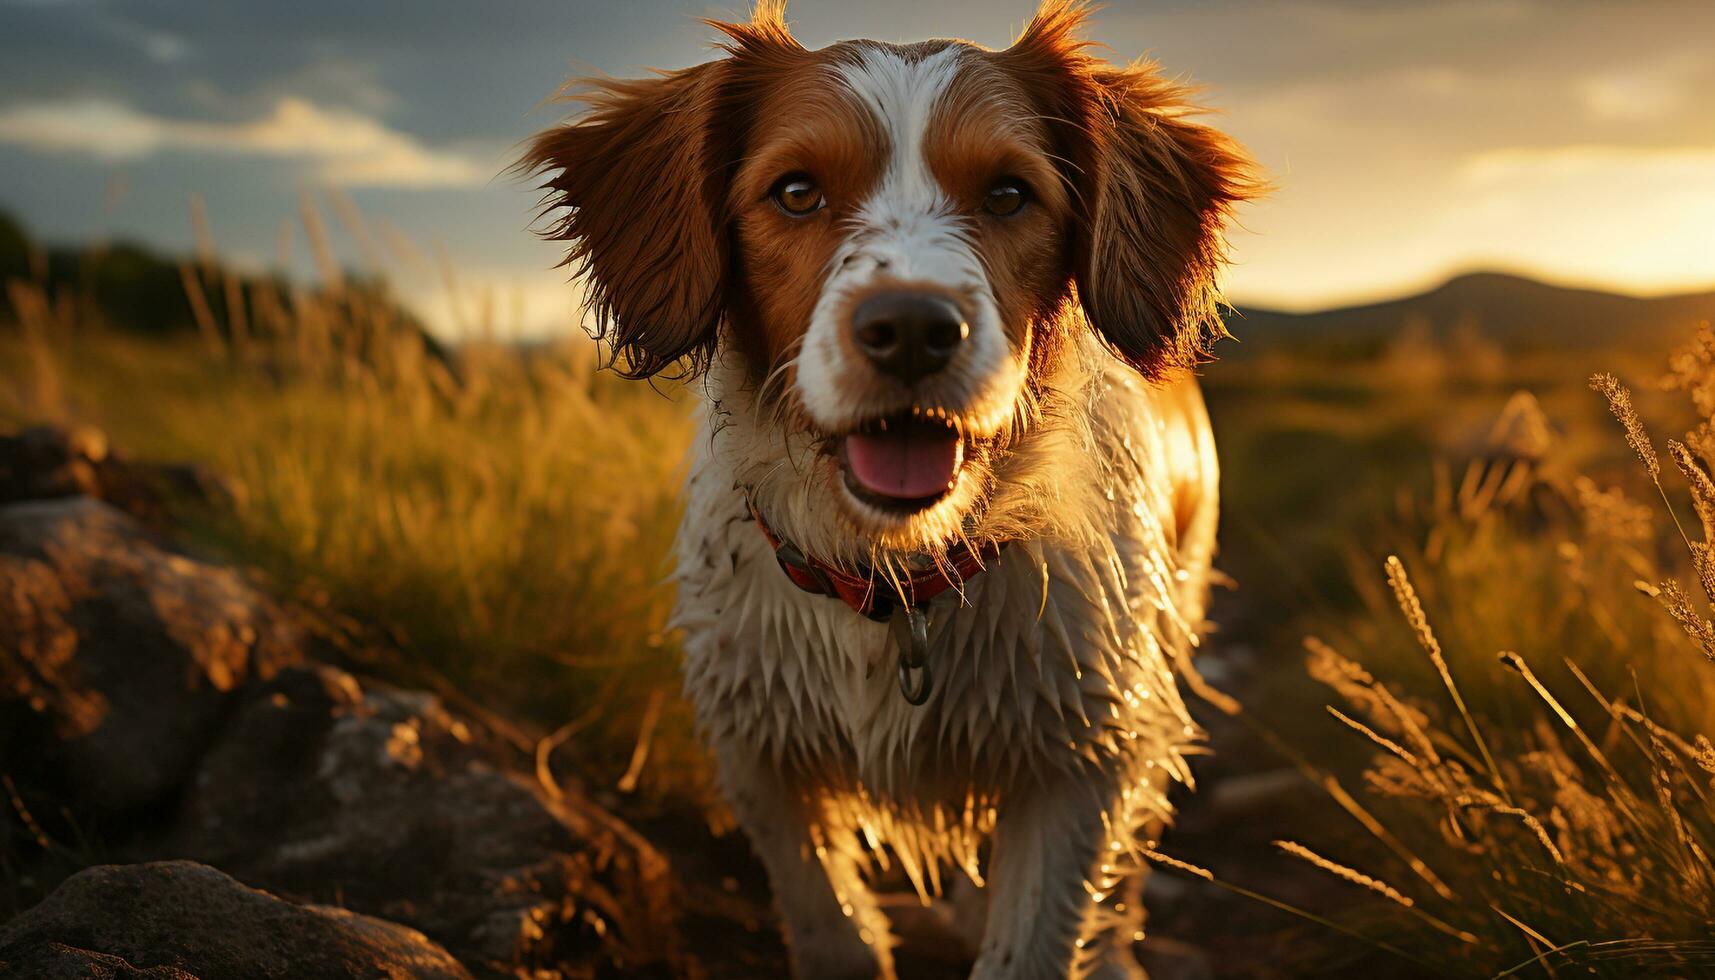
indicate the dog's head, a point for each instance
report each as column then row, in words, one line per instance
column 897, row 242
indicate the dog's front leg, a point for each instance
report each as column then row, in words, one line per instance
column 833, row 927
column 1051, row 855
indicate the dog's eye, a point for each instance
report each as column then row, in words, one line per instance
column 1006, row 197
column 798, row 195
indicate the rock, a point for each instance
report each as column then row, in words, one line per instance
column 44, row 463
column 118, row 657
column 177, row 920
column 57, row 961
column 160, row 699
column 325, row 789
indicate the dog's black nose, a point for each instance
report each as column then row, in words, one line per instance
column 909, row 335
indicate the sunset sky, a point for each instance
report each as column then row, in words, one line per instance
column 1571, row 139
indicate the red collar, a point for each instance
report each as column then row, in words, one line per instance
column 870, row 594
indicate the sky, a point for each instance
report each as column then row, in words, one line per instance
column 1569, row 139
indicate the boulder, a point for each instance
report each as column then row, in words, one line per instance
column 57, row 961
column 165, row 703
column 327, row 789
column 177, row 920
column 119, row 658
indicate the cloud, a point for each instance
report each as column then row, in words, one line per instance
column 1659, row 89
column 1626, row 217
column 344, row 147
column 1636, row 166
column 160, row 47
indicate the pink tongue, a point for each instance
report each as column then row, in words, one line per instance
column 907, row 465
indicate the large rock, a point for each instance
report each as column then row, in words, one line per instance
column 118, row 657
column 182, row 921
column 160, row 699
column 57, row 961
column 322, row 789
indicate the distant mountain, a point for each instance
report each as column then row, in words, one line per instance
column 1515, row 311
column 135, row 288
column 142, row 290
column 130, row 285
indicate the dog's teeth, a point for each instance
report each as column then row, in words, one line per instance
column 882, row 424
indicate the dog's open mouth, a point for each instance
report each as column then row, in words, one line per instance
column 904, row 462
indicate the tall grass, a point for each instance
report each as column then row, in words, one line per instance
column 502, row 513
column 1540, row 795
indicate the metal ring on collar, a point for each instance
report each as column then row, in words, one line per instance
column 915, row 693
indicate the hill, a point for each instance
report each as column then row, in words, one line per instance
column 128, row 285
column 141, row 290
column 134, row 288
column 1518, row 312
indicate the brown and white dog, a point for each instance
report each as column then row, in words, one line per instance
column 942, row 302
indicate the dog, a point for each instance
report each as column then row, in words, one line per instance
column 951, row 506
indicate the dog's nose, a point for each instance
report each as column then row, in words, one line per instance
column 909, row 335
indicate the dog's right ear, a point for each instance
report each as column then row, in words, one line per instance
column 631, row 182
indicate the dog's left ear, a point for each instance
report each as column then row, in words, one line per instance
column 1153, row 190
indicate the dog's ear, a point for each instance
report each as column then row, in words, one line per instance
column 637, row 188
column 1154, row 239
column 1153, row 191
column 630, row 181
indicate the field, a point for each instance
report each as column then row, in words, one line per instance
column 1511, row 775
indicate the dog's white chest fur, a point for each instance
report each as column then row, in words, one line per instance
column 1060, row 656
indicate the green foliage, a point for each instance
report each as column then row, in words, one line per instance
column 132, row 288
column 14, row 251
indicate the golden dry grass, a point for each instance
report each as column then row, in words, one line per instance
column 503, row 514
column 1540, row 795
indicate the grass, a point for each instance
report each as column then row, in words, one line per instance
column 1531, row 686
column 504, row 515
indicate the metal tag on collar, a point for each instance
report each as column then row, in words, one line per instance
column 911, row 634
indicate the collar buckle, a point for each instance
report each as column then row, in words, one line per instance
column 802, row 571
